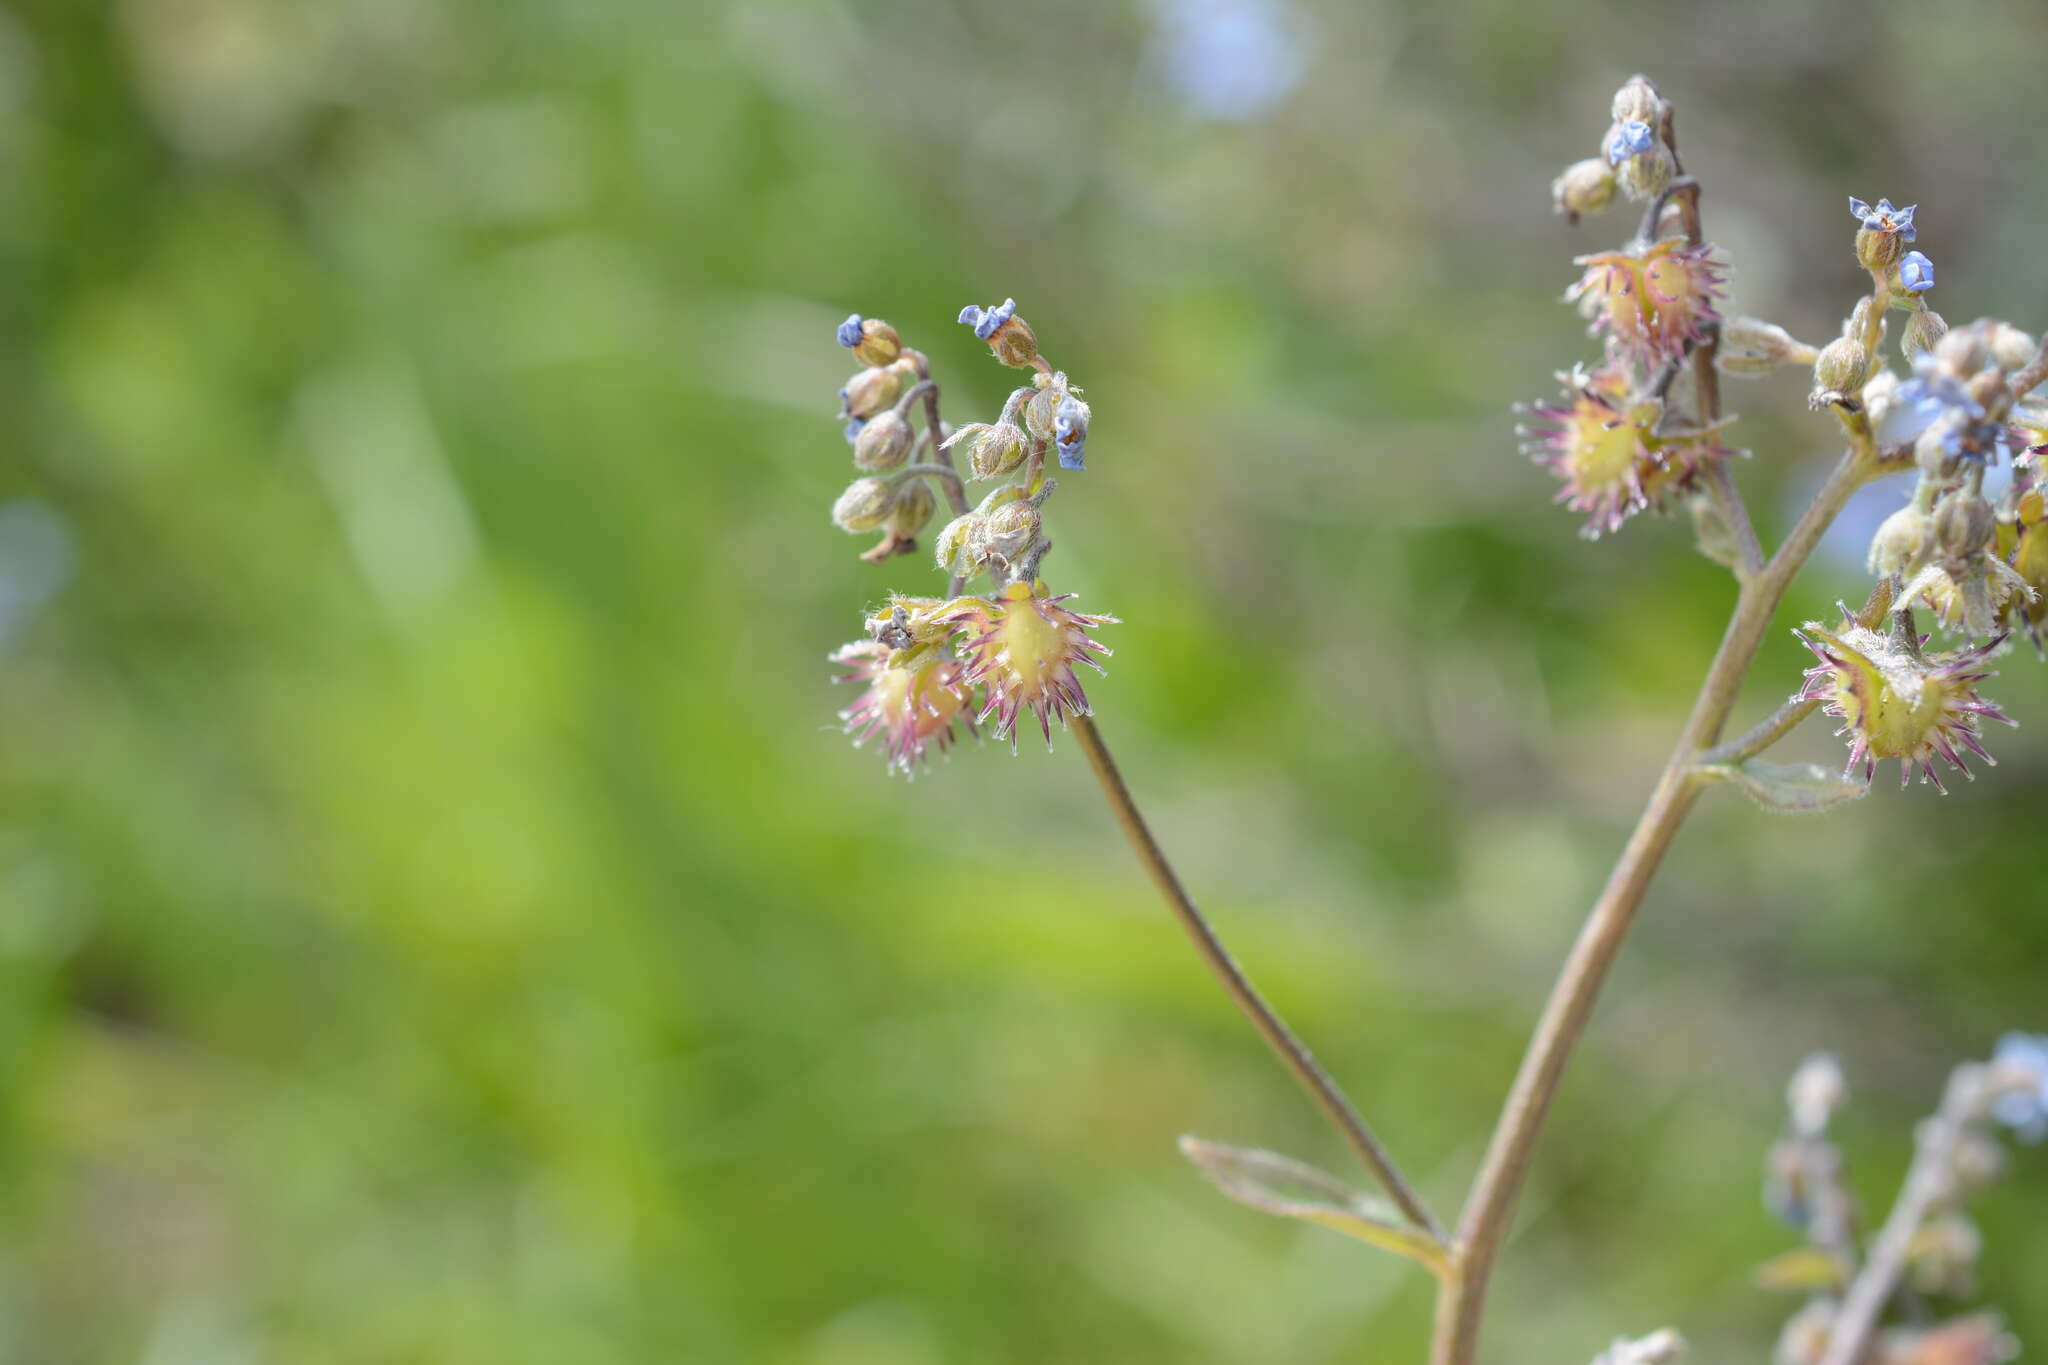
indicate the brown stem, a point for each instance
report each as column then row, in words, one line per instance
column 1484, row 1224
column 1290, row 1049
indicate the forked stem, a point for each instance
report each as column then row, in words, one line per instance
column 1290, row 1049
column 1484, row 1225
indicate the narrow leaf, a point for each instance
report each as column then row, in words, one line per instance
column 1288, row 1188
column 1789, row 788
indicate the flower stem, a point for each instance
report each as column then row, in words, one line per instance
column 1290, row 1049
column 1926, row 1182
column 1484, row 1224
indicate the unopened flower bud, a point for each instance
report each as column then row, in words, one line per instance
column 1041, row 410
column 953, row 550
column 993, row 448
column 1648, row 175
column 1916, row 273
column 864, row 506
column 1885, row 234
column 912, row 508
column 1008, row 335
column 1013, row 527
column 1838, row 371
column 1637, row 101
column 878, row 343
column 874, row 389
column 1936, row 450
column 1753, row 346
column 1963, row 523
column 1901, row 542
column 2011, row 348
column 1963, row 350
column 1816, row 1090
column 1585, row 187
column 884, row 442
column 1922, row 331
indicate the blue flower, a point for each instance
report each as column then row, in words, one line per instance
column 1631, row 139
column 2022, row 1060
column 1070, row 430
column 1885, row 218
column 849, row 331
column 984, row 321
column 1916, row 273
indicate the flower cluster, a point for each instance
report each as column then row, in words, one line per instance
column 1959, row 1157
column 1642, row 429
column 1628, row 434
column 932, row 666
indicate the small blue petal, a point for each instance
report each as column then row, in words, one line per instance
column 849, row 331
column 1074, row 456
column 1858, row 209
column 1904, row 217
column 1916, row 273
column 1637, row 137
column 971, row 316
column 986, row 327
column 853, row 429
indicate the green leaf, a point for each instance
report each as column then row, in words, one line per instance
column 1288, row 1188
column 1789, row 788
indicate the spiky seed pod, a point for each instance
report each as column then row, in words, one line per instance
column 1023, row 648
column 912, row 699
column 1896, row 702
column 1652, row 302
column 1607, row 450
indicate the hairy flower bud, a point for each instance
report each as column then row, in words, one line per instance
column 993, row 448
column 1013, row 527
column 864, row 506
column 1902, row 541
column 1963, row 523
column 1648, row 175
column 1637, row 101
column 1925, row 328
column 874, row 389
column 1585, row 187
column 1753, row 346
column 878, row 344
column 2011, row 348
column 1885, row 234
column 954, row 549
column 1838, row 371
column 1008, row 335
column 883, row 443
column 912, row 508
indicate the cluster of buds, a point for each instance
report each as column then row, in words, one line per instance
column 1968, row 558
column 1960, row 1156
column 931, row 666
column 1642, row 429
column 1634, row 432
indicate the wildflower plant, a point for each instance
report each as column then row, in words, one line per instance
column 1638, row 427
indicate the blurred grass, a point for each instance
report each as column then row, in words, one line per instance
column 439, row 921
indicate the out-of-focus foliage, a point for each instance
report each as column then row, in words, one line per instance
column 438, row 921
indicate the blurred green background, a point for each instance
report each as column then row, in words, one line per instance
column 438, row 919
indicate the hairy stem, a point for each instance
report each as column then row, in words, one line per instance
column 1484, row 1224
column 1271, row 1027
